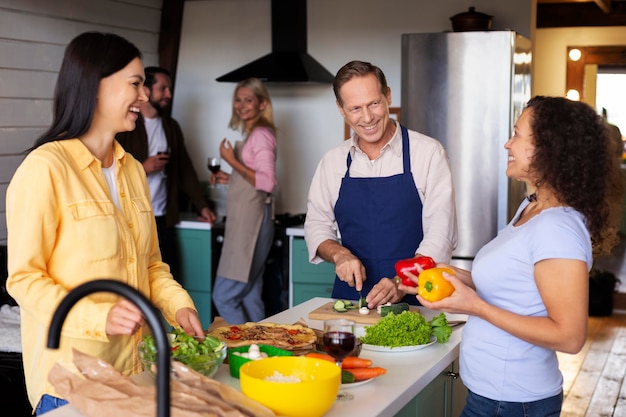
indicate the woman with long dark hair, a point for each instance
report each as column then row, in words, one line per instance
column 78, row 209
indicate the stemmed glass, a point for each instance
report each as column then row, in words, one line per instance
column 214, row 164
column 165, row 152
column 339, row 342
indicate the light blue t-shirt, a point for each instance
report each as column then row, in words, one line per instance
column 494, row 363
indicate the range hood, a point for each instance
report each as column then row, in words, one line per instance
column 289, row 61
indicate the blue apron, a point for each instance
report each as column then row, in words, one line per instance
column 380, row 221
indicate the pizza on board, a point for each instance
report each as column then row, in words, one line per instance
column 284, row 336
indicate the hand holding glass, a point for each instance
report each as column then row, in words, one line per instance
column 165, row 152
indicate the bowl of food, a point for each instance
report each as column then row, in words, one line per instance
column 294, row 386
column 237, row 356
column 204, row 356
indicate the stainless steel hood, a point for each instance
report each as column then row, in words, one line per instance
column 289, row 61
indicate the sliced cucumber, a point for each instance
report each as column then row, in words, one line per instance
column 394, row 308
column 340, row 306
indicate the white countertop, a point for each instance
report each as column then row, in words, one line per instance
column 408, row 373
column 298, row 231
column 190, row 221
column 295, row 231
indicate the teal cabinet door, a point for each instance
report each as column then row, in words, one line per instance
column 444, row 396
column 194, row 247
column 309, row 280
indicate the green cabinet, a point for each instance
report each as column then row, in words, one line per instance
column 194, row 246
column 308, row 280
column 444, row 396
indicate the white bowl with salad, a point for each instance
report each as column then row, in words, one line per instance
column 203, row 356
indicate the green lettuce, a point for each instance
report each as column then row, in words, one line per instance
column 440, row 328
column 408, row 328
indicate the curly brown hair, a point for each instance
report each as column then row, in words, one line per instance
column 574, row 156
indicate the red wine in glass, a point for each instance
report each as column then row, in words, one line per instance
column 167, row 153
column 214, row 164
column 339, row 344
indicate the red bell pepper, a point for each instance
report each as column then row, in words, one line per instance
column 408, row 265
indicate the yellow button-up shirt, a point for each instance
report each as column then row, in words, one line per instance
column 65, row 230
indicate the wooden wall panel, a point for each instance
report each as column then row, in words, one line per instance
column 23, row 55
column 46, row 29
column 27, row 84
column 25, row 113
column 98, row 12
column 15, row 140
column 33, row 36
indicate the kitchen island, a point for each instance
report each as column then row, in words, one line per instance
column 417, row 383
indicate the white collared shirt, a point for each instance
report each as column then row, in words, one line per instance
column 433, row 179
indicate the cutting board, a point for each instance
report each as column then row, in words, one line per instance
column 326, row 312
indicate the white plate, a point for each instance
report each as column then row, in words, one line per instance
column 356, row 384
column 376, row 348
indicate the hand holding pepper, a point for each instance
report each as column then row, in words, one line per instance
column 432, row 285
column 464, row 299
column 412, row 267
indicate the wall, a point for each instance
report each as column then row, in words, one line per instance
column 33, row 35
column 550, row 53
column 221, row 35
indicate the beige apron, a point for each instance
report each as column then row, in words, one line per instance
column 245, row 206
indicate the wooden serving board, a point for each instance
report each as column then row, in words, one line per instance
column 327, row 312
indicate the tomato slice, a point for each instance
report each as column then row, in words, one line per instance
column 235, row 329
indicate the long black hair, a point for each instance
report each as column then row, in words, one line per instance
column 88, row 58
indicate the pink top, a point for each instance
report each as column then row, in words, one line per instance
column 259, row 153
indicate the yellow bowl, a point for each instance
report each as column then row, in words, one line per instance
column 311, row 391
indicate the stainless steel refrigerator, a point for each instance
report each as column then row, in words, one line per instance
column 466, row 89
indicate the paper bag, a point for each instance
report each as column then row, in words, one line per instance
column 102, row 391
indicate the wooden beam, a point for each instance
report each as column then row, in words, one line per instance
column 555, row 15
column 169, row 36
column 605, row 5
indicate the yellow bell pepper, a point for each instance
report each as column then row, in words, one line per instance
column 432, row 286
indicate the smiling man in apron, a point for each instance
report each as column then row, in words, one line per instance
column 387, row 191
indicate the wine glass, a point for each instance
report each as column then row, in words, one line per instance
column 214, row 164
column 164, row 152
column 339, row 342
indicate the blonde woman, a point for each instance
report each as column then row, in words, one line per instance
column 249, row 232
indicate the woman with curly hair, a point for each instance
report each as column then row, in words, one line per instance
column 527, row 293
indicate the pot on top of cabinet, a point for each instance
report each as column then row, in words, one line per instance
column 471, row 21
